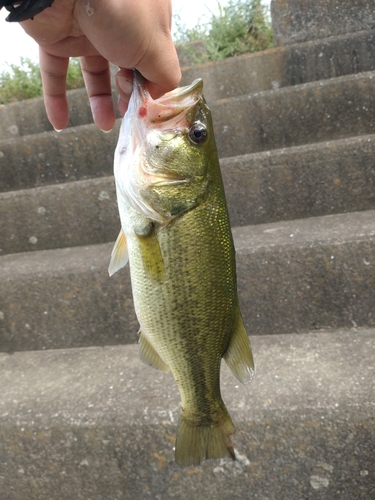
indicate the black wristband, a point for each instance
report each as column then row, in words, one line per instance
column 24, row 9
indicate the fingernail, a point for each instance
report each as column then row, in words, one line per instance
column 58, row 130
column 125, row 84
column 106, row 131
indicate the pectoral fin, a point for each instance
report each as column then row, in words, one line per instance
column 151, row 255
column 238, row 355
column 119, row 256
column 148, row 354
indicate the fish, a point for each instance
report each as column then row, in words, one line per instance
column 22, row 10
column 175, row 234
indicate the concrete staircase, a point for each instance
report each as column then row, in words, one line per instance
column 80, row 416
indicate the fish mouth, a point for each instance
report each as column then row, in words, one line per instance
column 170, row 111
column 163, row 118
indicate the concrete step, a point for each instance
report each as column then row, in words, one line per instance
column 291, row 116
column 235, row 76
column 66, row 299
column 293, row 276
column 286, row 65
column 97, row 424
column 29, row 117
column 300, row 182
column 50, row 158
column 293, row 183
column 302, row 20
column 63, row 215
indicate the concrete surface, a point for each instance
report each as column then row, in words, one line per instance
column 290, row 116
column 59, row 216
column 299, row 182
column 302, row 20
column 93, row 423
column 293, row 276
column 97, row 424
column 303, row 114
column 67, row 293
column 292, row 183
column 307, row 274
column 29, row 117
column 287, row 65
column 52, row 158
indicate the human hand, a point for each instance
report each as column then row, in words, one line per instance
column 127, row 33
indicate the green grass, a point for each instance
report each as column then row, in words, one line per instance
column 241, row 27
column 23, row 81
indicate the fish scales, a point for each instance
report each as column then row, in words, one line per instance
column 182, row 262
column 181, row 312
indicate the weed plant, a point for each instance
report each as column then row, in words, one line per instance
column 242, row 26
column 24, row 81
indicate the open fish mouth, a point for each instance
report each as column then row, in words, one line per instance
column 164, row 119
column 169, row 111
column 181, row 93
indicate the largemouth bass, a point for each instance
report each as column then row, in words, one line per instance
column 176, row 234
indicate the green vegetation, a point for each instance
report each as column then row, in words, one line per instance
column 24, row 81
column 241, row 27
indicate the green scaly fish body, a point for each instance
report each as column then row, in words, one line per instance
column 175, row 222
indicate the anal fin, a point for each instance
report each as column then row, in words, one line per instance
column 149, row 355
column 238, row 356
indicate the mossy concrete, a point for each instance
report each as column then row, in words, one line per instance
column 302, row 20
column 96, row 423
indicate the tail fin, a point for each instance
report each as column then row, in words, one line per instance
column 195, row 443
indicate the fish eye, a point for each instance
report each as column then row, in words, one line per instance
column 198, row 133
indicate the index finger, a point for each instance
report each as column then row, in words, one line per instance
column 161, row 68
